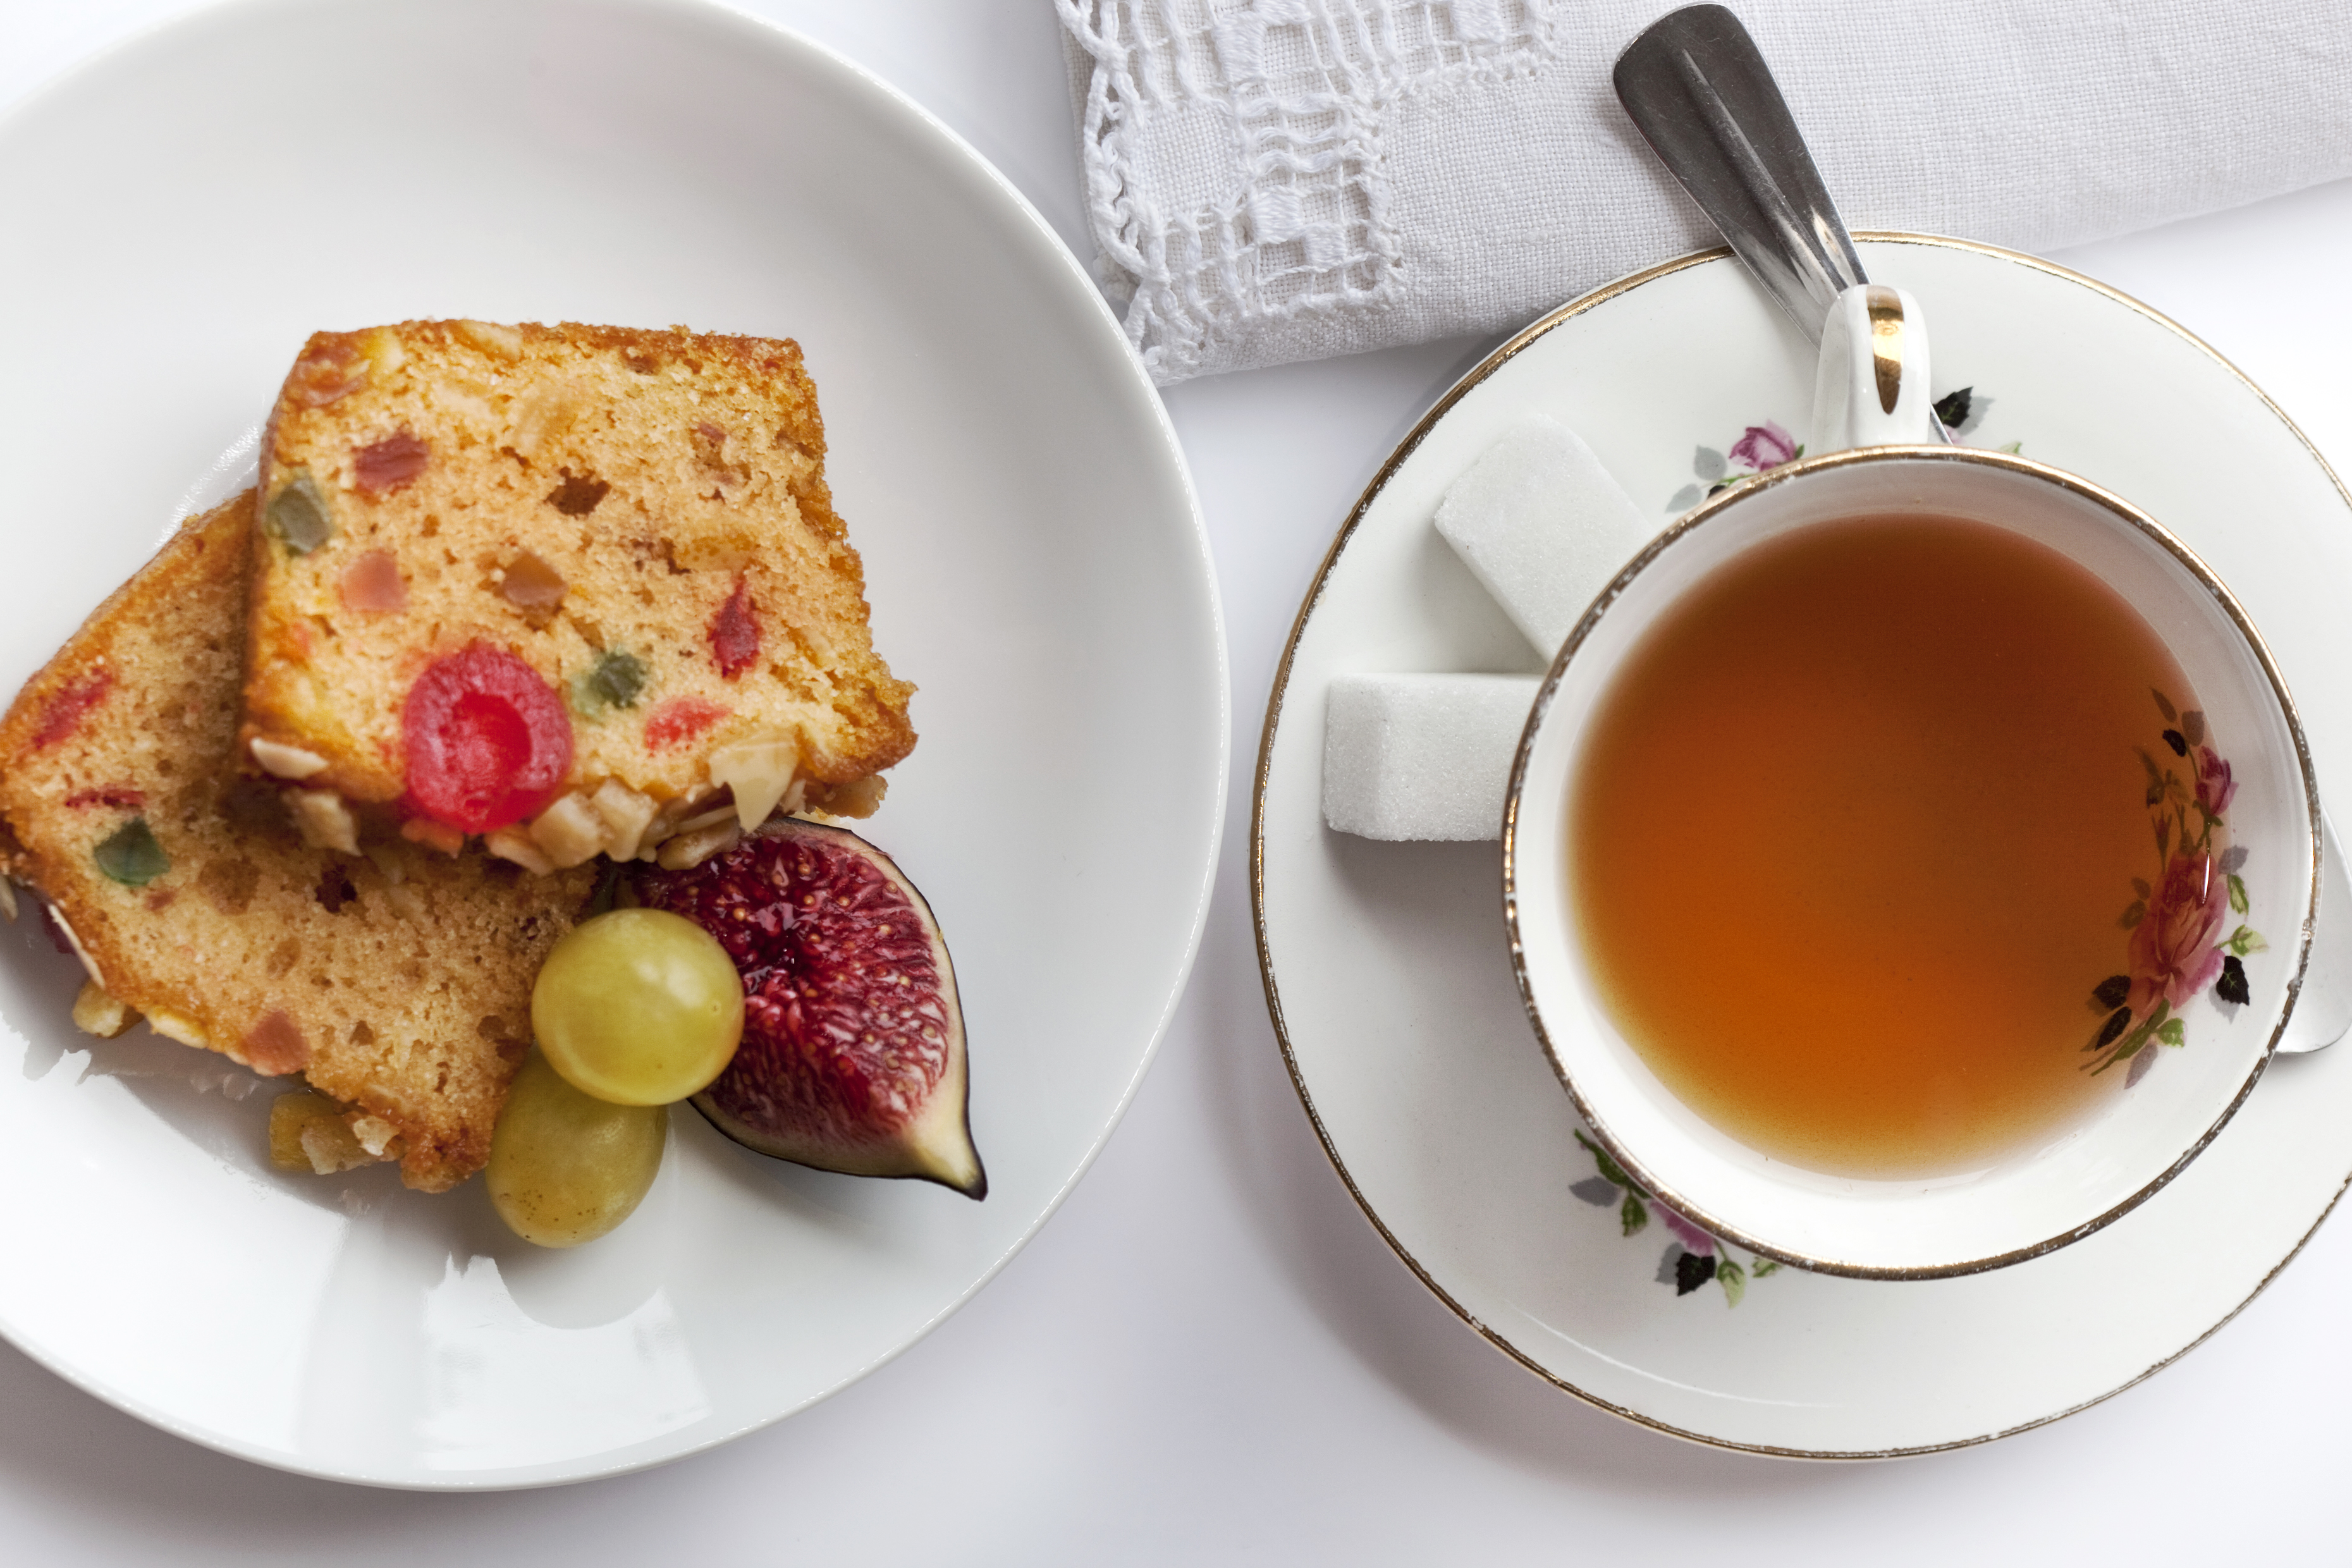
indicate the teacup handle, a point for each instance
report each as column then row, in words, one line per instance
column 1872, row 387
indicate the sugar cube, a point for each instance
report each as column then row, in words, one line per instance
column 1421, row 756
column 1542, row 527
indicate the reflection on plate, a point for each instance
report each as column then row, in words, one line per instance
column 1392, row 994
column 220, row 188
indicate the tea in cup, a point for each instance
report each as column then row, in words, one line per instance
column 1912, row 858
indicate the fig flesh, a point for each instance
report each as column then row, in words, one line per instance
column 853, row 1050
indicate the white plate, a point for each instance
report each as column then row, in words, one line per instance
column 178, row 216
column 1392, row 991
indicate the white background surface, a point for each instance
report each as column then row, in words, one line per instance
column 1208, row 1355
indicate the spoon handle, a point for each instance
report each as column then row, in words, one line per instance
column 1700, row 93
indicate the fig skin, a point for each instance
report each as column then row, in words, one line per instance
column 834, row 943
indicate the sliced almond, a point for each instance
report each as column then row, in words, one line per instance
column 331, row 1148
column 173, row 1026
column 670, row 815
column 672, row 812
column 95, row 1012
column 498, row 342
column 375, row 1133
column 709, row 819
column 570, row 832
column 626, row 815
column 286, row 762
column 513, row 844
column 692, row 845
column 433, row 835
column 858, row 797
column 73, row 940
column 306, row 1132
column 759, row 772
column 324, row 821
column 8, row 900
column 383, row 350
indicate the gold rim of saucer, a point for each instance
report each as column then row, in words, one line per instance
column 1396, row 460
column 1691, row 523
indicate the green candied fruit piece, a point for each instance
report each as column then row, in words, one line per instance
column 616, row 680
column 131, row 856
column 298, row 514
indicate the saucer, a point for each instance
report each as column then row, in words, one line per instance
column 1385, row 964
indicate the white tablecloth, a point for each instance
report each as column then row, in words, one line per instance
column 1208, row 1356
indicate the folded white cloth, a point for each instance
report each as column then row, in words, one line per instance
column 1279, row 180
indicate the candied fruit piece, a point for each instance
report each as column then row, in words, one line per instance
column 122, row 798
column 616, row 680
column 372, row 582
column 487, row 739
column 274, row 1046
column 66, row 709
column 298, row 514
column 388, row 464
column 229, row 884
column 308, row 1132
column 131, row 856
column 735, row 631
column 533, row 586
column 333, row 367
column 680, row 720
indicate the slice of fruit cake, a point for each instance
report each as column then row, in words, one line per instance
column 397, row 981
column 560, row 586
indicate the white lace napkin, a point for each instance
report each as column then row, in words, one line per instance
column 1279, row 180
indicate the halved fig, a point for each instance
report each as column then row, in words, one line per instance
column 853, row 1053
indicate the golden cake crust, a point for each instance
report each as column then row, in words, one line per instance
column 640, row 516
column 398, row 982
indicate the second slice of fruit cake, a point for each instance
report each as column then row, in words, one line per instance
column 558, row 587
column 398, row 983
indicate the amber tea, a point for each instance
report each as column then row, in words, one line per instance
column 1892, row 839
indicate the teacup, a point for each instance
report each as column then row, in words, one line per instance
column 1874, row 454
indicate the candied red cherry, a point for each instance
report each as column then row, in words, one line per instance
column 488, row 740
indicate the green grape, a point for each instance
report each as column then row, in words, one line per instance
column 566, row 1167
column 639, row 1007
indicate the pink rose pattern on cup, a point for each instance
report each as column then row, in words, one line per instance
column 2176, row 950
column 1759, row 447
column 1693, row 1258
column 1768, row 446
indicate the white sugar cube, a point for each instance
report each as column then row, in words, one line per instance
column 1421, row 756
column 1542, row 527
